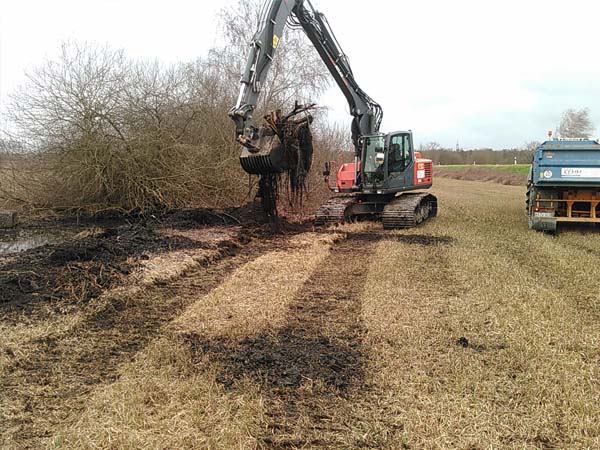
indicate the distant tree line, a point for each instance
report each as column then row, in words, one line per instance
column 575, row 123
column 480, row 156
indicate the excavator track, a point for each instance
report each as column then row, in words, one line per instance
column 409, row 210
column 335, row 210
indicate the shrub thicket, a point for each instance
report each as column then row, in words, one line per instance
column 96, row 130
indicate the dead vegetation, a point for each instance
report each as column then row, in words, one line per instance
column 56, row 349
column 184, row 401
column 255, row 300
column 486, row 343
column 448, row 336
column 101, row 131
column 469, row 332
column 95, row 132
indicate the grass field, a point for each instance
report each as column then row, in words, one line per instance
column 469, row 332
column 521, row 169
column 513, row 175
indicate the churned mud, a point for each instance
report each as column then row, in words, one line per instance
column 310, row 367
column 72, row 312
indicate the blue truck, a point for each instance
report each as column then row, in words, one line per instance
column 564, row 184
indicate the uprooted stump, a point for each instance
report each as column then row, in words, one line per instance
column 295, row 140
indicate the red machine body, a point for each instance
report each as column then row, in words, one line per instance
column 344, row 176
column 346, row 173
column 423, row 170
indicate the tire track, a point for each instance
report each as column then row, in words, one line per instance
column 312, row 370
column 47, row 386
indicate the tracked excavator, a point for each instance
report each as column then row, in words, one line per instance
column 386, row 177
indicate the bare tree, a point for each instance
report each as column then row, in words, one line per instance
column 576, row 123
column 109, row 132
column 297, row 72
column 531, row 146
column 430, row 146
column 67, row 100
column 105, row 131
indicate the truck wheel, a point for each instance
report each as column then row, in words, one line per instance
column 529, row 197
column 529, row 200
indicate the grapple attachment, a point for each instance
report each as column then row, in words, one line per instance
column 282, row 144
column 265, row 154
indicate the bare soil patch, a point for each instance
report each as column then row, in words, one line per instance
column 416, row 239
column 79, row 269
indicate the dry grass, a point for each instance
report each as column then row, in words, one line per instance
column 162, row 401
column 164, row 267
column 155, row 269
column 256, row 297
column 491, row 342
column 483, row 173
column 166, row 398
column 49, row 360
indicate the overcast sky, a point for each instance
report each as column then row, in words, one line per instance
column 483, row 73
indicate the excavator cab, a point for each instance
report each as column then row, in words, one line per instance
column 388, row 165
column 391, row 165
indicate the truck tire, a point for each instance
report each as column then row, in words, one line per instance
column 529, row 200
column 529, row 197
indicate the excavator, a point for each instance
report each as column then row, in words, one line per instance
column 381, row 181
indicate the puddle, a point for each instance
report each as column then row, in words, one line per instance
column 15, row 241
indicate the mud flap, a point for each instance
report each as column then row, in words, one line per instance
column 542, row 223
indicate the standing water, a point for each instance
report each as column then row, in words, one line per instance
column 14, row 241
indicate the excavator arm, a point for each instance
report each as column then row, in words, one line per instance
column 367, row 114
column 264, row 43
column 284, row 143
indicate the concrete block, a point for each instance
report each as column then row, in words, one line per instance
column 8, row 219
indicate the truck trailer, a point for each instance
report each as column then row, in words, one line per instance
column 563, row 184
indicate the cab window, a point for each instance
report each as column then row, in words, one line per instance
column 399, row 156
